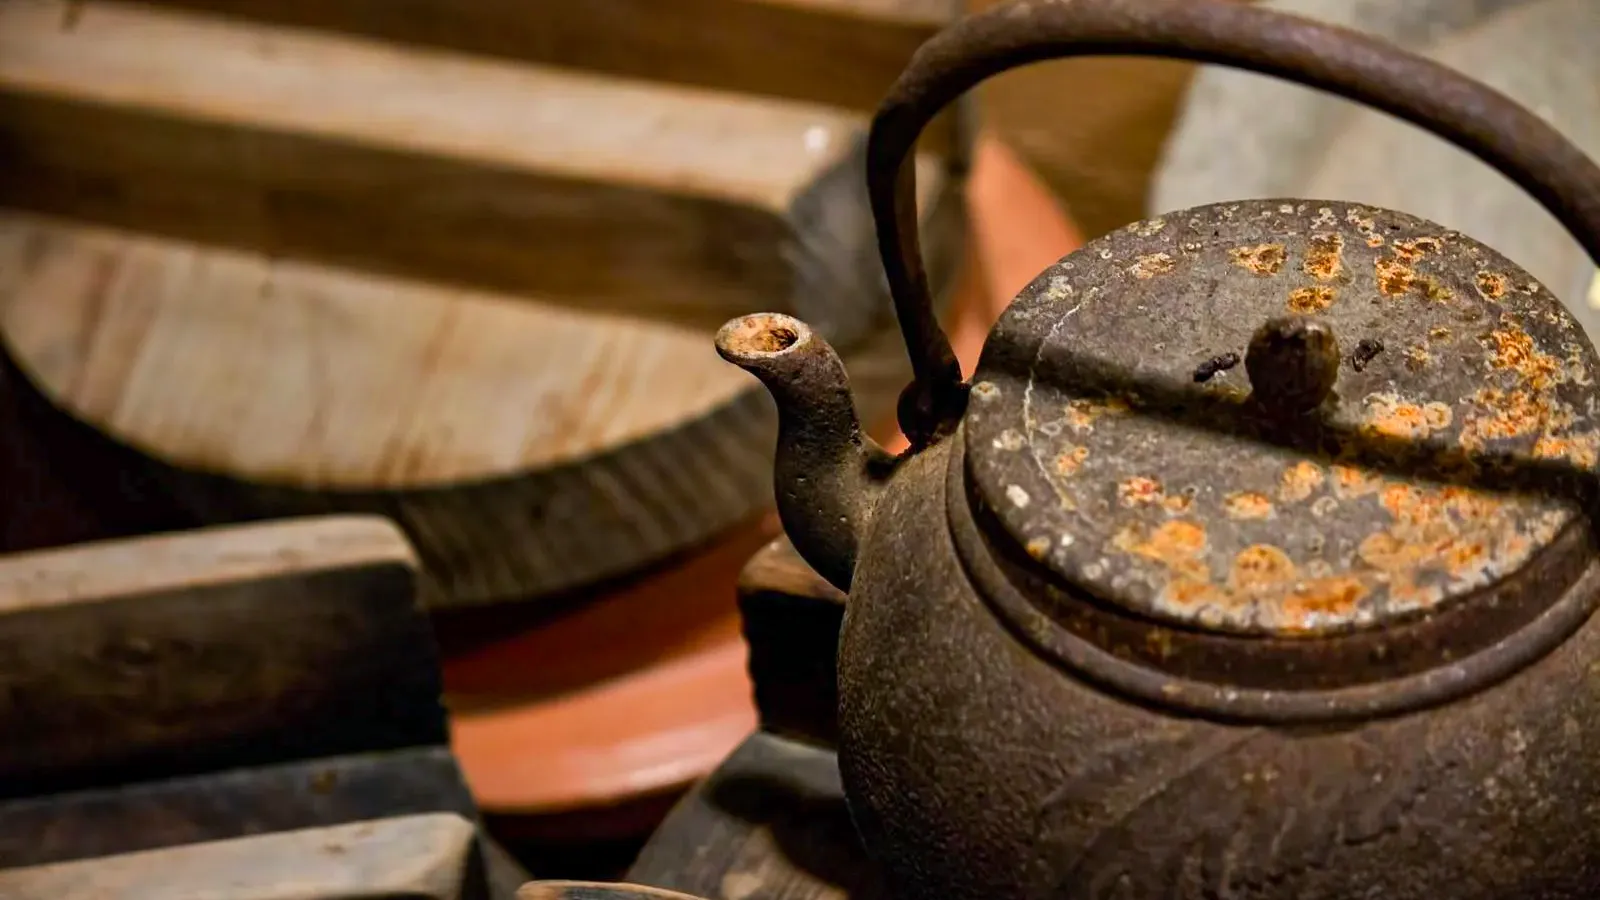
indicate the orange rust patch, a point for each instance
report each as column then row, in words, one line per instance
column 1152, row 265
column 1352, row 481
column 1139, row 491
column 1389, row 416
column 1262, row 259
column 1417, row 357
column 1310, row 299
column 1068, row 463
column 1580, row 450
column 1437, row 415
column 1259, row 567
column 1374, row 240
column 1325, row 257
column 1191, row 593
column 1509, row 414
column 1439, row 333
column 1038, row 547
column 1082, row 413
column 1177, row 503
column 1333, row 596
column 1513, row 349
column 1299, row 481
column 1394, row 276
column 1413, row 250
column 1492, row 285
column 1247, row 505
column 1176, row 544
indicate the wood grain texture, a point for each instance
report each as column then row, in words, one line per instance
column 471, row 295
column 424, row 857
column 595, row 890
column 260, row 799
column 666, row 202
column 783, row 48
column 206, row 649
column 769, row 824
column 531, row 452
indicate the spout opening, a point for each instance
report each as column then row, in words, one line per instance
column 761, row 336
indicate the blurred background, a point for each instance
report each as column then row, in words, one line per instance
column 459, row 265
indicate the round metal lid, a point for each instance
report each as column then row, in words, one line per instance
column 1114, row 434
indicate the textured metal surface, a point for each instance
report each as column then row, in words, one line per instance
column 1094, row 447
column 976, row 771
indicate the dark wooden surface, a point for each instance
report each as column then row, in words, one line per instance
column 769, row 824
column 791, row 620
column 173, row 654
column 427, row 857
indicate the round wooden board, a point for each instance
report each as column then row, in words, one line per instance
column 527, row 447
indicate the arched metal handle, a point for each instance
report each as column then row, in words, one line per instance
column 1474, row 117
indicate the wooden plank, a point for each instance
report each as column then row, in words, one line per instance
column 425, row 857
column 594, row 890
column 844, row 52
column 668, row 202
column 769, row 824
column 792, row 618
column 262, row 799
column 211, row 648
column 526, row 447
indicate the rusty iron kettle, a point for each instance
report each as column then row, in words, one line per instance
column 1256, row 558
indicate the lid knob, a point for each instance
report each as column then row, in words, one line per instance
column 1292, row 362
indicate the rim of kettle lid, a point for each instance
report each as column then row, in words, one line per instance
column 1122, row 436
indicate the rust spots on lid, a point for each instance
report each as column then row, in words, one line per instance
column 1177, row 544
column 1492, row 285
column 1391, row 416
column 1247, row 505
column 1508, row 414
column 1082, row 413
column 1038, row 547
column 1152, row 265
column 1353, row 481
column 1310, row 299
column 1177, row 503
column 1394, row 276
column 1325, row 257
column 1512, row 349
column 1139, row 491
column 1299, row 481
column 1417, row 357
column 1258, row 567
column 1311, row 602
column 1070, row 461
column 1262, row 259
column 1416, row 248
column 1581, row 450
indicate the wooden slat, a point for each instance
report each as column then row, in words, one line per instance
column 218, row 647
column 415, row 857
column 263, row 799
column 843, row 52
column 663, row 201
column 792, row 618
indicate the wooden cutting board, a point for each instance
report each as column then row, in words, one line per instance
column 300, row 266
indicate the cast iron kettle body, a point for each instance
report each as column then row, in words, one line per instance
column 1133, row 620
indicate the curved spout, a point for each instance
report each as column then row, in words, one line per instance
column 823, row 474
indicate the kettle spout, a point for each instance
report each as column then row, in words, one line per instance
column 824, row 471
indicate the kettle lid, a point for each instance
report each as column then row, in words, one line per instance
column 1139, row 436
